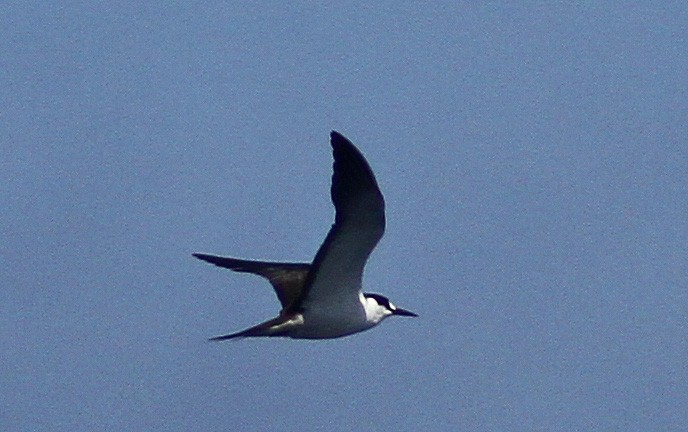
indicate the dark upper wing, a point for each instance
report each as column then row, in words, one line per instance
column 359, row 224
column 286, row 278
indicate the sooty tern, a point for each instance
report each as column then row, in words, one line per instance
column 323, row 300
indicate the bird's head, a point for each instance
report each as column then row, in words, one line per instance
column 379, row 307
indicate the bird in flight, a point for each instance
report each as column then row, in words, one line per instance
column 323, row 300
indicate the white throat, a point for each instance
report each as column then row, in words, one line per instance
column 375, row 312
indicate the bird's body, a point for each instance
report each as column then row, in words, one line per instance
column 324, row 300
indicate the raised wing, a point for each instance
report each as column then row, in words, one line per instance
column 337, row 270
column 286, row 278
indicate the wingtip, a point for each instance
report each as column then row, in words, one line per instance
column 225, row 337
column 204, row 257
column 201, row 256
column 337, row 139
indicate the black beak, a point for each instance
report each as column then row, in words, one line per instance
column 403, row 312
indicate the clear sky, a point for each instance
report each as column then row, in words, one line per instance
column 533, row 157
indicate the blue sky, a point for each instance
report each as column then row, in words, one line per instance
column 533, row 158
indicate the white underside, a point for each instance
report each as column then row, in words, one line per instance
column 321, row 327
column 333, row 322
